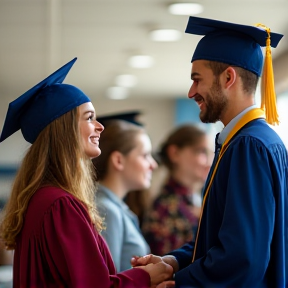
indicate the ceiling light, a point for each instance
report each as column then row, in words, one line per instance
column 117, row 93
column 126, row 80
column 141, row 61
column 165, row 35
column 185, row 8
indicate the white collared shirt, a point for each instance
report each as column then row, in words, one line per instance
column 228, row 128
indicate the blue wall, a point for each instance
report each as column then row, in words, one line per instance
column 186, row 111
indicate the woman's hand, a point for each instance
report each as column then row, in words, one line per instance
column 144, row 260
column 150, row 258
column 158, row 270
column 166, row 284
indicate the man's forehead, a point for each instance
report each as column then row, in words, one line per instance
column 200, row 66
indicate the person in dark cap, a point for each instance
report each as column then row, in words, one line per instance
column 50, row 219
column 242, row 238
column 128, row 116
column 124, row 166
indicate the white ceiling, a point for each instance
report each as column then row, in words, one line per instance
column 39, row 36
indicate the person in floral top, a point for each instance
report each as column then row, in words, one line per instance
column 173, row 217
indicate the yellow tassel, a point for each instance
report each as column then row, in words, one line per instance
column 268, row 96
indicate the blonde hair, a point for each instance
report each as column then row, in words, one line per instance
column 56, row 158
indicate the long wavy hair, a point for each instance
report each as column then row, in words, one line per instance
column 56, row 158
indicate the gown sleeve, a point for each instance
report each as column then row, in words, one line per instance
column 242, row 193
column 77, row 255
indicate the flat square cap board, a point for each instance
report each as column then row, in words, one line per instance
column 234, row 44
column 40, row 105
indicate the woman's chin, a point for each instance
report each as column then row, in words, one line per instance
column 93, row 153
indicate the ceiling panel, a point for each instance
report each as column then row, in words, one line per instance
column 37, row 37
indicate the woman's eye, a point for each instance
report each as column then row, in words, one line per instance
column 147, row 155
column 91, row 117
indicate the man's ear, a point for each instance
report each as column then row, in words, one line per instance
column 229, row 76
column 117, row 160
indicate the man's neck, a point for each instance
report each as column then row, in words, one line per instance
column 235, row 109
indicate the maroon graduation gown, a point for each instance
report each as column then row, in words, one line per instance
column 59, row 247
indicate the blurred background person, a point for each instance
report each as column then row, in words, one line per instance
column 125, row 164
column 173, row 217
column 139, row 201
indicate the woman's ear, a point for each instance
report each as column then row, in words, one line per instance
column 117, row 160
column 172, row 152
column 229, row 76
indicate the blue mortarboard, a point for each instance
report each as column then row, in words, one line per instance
column 234, row 44
column 39, row 106
column 126, row 116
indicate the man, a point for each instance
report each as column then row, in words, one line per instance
column 242, row 235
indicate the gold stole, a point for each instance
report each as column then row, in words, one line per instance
column 249, row 116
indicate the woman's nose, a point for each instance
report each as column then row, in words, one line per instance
column 99, row 127
column 153, row 163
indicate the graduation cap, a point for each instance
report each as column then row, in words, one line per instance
column 40, row 105
column 125, row 116
column 239, row 45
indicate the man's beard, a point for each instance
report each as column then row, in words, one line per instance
column 216, row 103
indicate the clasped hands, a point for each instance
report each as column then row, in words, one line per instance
column 160, row 269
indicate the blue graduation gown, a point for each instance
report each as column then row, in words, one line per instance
column 243, row 239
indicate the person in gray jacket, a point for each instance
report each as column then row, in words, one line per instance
column 125, row 165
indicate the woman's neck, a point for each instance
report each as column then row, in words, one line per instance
column 115, row 184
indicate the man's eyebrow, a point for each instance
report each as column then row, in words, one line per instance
column 194, row 74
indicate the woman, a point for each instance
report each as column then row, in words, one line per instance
column 173, row 217
column 50, row 220
column 124, row 165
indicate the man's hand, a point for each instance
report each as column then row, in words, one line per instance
column 172, row 261
column 158, row 270
column 150, row 258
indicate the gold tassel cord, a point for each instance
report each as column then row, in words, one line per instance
column 268, row 96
